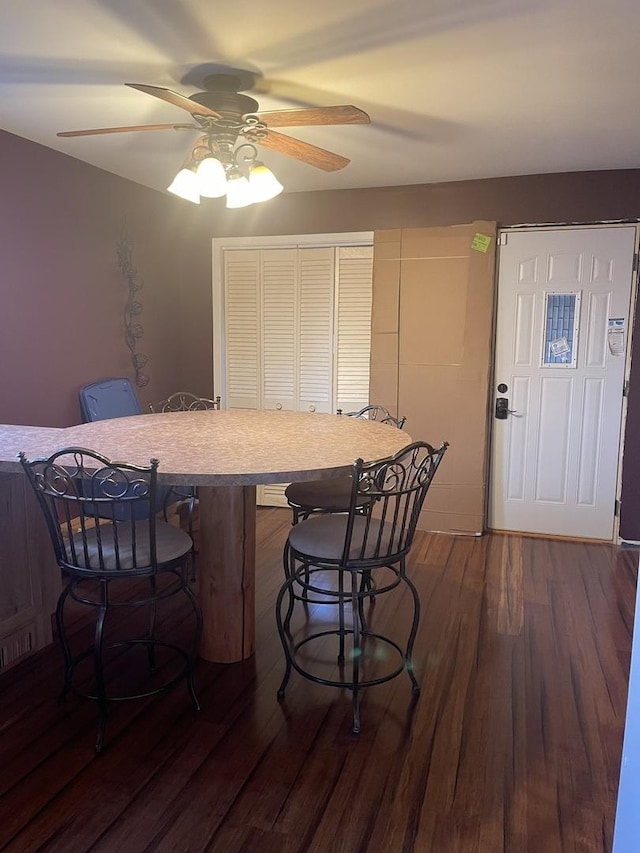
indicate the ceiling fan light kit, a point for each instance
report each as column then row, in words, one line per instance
column 219, row 170
column 224, row 160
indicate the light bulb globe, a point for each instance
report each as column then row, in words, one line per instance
column 263, row 183
column 211, row 178
column 185, row 186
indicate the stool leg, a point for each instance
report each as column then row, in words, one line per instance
column 151, row 631
column 357, row 649
column 341, row 600
column 191, row 510
column 285, row 558
column 101, row 693
column 284, row 590
column 62, row 636
column 191, row 661
column 412, row 633
column 366, row 585
column 290, row 572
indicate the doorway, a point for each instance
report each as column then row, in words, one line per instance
column 563, row 329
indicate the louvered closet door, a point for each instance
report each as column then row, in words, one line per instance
column 311, row 317
column 353, row 327
column 298, row 329
column 279, row 300
column 315, row 325
column 242, row 327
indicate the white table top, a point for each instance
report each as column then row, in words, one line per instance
column 219, row 447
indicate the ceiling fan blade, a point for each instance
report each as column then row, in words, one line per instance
column 345, row 114
column 311, row 154
column 136, row 127
column 175, row 99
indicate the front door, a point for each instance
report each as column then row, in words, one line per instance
column 563, row 324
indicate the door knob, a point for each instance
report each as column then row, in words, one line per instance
column 503, row 410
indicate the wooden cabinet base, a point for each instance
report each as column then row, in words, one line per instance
column 29, row 576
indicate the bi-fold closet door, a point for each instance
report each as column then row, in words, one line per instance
column 297, row 330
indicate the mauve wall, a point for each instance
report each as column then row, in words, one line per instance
column 61, row 294
column 569, row 197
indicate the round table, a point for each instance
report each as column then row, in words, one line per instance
column 226, row 453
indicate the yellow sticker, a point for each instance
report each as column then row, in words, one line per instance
column 480, row 242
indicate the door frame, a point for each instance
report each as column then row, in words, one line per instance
column 575, row 226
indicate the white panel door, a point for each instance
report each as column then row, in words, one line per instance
column 563, row 320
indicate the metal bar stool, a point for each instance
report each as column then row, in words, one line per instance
column 184, row 401
column 333, row 494
column 115, row 554
column 348, row 545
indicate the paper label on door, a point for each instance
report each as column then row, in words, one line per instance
column 480, row 242
column 615, row 335
column 559, row 346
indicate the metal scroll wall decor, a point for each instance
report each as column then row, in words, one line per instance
column 133, row 329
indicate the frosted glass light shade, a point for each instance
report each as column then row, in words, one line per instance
column 211, row 178
column 185, row 185
column 263, row 183
column 238, row 191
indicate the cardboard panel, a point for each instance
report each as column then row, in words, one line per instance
column 386, row 296
column 445, row 328
column 389, row 235
column 459, row 499
column 451, row 241
column 386, row 251
column 433, row 310
column 481, row 297
column 444, row 408
column 383, row 387
column 384, row 349
column 455, row 523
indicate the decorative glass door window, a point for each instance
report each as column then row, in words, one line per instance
column 562, row 316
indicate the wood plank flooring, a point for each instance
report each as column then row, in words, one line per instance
column 514, row 744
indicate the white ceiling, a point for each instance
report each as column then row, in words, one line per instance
column 456, row 89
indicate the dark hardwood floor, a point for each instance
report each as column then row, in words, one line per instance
column 514, row 744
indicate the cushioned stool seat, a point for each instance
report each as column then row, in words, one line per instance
column 333, row 495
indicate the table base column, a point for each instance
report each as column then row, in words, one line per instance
column 226, row 572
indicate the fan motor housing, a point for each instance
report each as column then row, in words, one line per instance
column 222, row 95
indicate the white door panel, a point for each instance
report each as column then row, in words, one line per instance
column 555, row 457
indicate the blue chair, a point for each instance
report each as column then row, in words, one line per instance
column 115, row 398
column 109, row 398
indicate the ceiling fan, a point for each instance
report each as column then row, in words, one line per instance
column 230, row 121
